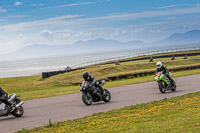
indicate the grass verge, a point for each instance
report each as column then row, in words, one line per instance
column 176, row 114
column 33, row 87
column 41, row 92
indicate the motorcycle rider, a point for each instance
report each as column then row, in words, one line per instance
column 4, row 99
column 93, row 82
column 163, row 69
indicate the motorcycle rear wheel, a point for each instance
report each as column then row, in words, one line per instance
column 18, row 112
column 174, row 85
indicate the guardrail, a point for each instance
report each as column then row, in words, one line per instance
column 52, row 73
column 110, row 60
column 133, row 55
column 145, row 73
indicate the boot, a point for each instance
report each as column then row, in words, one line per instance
column 168, row 87
column 171, row 81
column 99, row 95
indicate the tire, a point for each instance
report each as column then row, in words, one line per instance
column 106, row 95
column 87, row 98
column 174, row 85
column 161, row 88
column 18, row 112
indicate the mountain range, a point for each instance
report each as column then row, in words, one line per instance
column 189, row 37
column 97, row 45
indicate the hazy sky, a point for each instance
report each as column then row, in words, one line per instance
column 54, row 22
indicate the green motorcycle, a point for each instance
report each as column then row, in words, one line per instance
column 164, row 83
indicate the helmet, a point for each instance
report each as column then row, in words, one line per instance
column 85, row 75
column 159, row 64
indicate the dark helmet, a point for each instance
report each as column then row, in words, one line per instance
column 85, row 75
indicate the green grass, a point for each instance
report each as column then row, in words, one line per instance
column 40, row 92
column 105, row 71
column 178, row 114
column 32, row 87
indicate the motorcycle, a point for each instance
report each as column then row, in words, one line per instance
column 5, row 109
column 164, row 83
column 89, row 96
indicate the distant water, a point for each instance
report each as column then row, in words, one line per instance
column 27, row 67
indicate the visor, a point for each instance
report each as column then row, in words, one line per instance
column 158, row 65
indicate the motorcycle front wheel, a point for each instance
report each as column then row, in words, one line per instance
column 106, row 95
column 87, row 98
column 161, row 87
column 18, row 112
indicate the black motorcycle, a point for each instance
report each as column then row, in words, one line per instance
column 89, row 95
column 17, row 112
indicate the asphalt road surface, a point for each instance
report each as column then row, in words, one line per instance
column 66, row 107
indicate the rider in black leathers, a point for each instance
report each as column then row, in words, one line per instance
column 163, row 69
column 4, row 99
column 93, row 82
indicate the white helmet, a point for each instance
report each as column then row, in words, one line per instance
column 159, row 64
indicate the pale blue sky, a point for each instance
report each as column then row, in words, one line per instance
column 54, row 22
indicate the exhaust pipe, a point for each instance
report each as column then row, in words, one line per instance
column 19, row 104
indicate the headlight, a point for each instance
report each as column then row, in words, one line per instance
column 85, row 86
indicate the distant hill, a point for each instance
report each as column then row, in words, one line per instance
column 189, row 37
column 98, row 45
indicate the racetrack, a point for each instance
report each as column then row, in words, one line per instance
column 65, row 107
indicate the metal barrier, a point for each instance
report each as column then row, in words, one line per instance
column 134, row 55
column 81, row 66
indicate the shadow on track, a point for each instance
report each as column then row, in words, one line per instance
column 11, row 118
